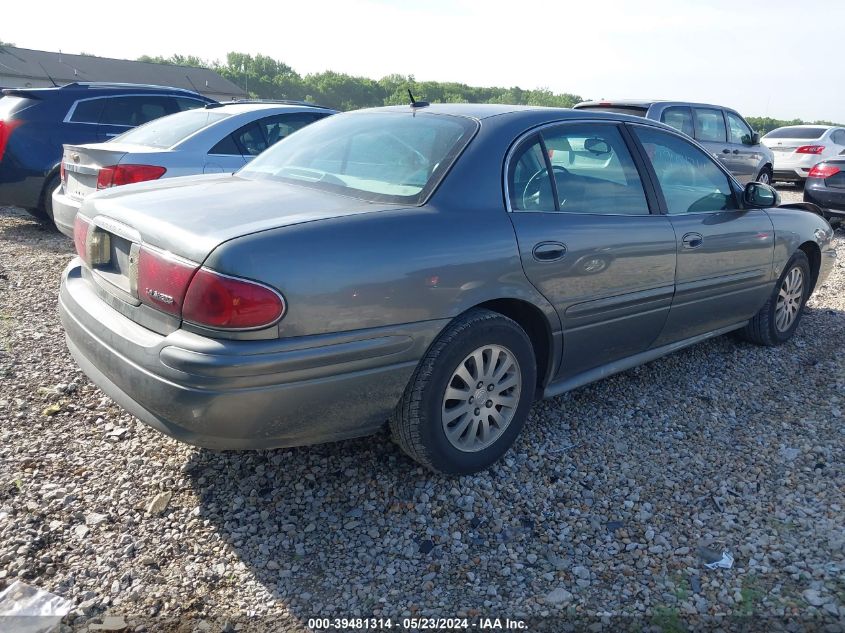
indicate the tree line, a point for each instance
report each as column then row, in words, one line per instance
column 263, row 77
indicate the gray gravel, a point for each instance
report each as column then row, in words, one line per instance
column 610, row 502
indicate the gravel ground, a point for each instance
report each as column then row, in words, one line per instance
column 609, row 503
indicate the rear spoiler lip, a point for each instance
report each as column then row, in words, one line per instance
column 20, row 92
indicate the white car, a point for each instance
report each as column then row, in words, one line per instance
column 798, row 148
column 216, row 139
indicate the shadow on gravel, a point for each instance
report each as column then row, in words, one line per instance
column 357, row 529
column 32, row 231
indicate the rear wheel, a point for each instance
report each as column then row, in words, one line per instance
column 469, row 397
column 777, row 321
column 765, row 176
column 45, row 208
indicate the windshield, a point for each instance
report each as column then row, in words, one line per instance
column 797, row 132
column 169, row 130
column 379, row 156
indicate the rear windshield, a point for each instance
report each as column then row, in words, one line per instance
column 10, row 104
column 632, row 110
column 380, row 156
column 169, row 130
column 797, row 132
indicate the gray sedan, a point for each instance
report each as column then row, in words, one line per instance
column 217, row 139
column 440, row 267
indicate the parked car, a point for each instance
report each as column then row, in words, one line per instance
column 798, row 148
column 35, row 122
column 420, row 264
column 825, row 187
column 217, row 139
column 722, row 131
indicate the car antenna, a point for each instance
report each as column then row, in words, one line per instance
column 414, row 102
column 52, row 81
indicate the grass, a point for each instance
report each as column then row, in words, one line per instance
column 668, row 619
column 750, row 594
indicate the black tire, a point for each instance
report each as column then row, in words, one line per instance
column 762, row 329
column 416, row 424
column 44, row 211
column 766, row 176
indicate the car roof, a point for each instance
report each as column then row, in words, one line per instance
column 481, row 111
column 111, row 88
column 804, row 125
column 239, row 108
column 645, row 103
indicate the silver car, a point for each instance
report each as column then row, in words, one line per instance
column 721, row 130
column 217, row 139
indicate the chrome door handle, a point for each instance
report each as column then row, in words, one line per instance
column 693, row 240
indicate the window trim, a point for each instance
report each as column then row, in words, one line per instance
column 734, row 185
column 72, row 109
column 652, row 202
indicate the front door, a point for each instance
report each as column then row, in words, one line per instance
column 724, row 269
column 746, row 155
column 589, row 242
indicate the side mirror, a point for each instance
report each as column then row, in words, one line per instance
column 755, row 138
column 760, row 196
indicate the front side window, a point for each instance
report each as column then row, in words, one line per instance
column 186, row 103
column 251, row 139
column 738, row 130
column 283, row 125
column 691, row 182
column 680, row 118
column 380, row 156
column 710, row 125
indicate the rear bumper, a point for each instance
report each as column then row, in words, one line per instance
column 64, row 211
column 242, row 394
column 831, row 200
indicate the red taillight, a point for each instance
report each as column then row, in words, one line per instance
column 81, row 226
column 810, row 149
column 116, row 175
column 163, row 280
column 217, row 301
column 62, row 172
column 6, row 128
column 823, row 171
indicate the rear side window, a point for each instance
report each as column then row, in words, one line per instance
column 592, row 169
column 277, row 127
column 710, row 125
column 186, row 103
column 838, row 137
column 529, row 185
column 799, row 131
column 135, row 110
column 690, row 180
column 226, row 147
column 680, row 118
column 251, row 139
column 87, row 111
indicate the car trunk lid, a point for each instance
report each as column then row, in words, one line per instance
column 82, row 164
column 182, row 220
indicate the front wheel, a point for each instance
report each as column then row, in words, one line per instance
column 765, row 176
column 469, row 396
column 777, row 321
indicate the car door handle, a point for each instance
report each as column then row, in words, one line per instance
column 736, row 151
column 549, row 251
column 693, row 240
column 726, row 151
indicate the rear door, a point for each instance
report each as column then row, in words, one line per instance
column 711, row 132
column 745, row 155
column 724, row 252
column 589, row 241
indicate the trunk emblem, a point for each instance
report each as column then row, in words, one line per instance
column 75, row 157
column 160, row 296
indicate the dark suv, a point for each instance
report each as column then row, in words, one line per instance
column 35, row 123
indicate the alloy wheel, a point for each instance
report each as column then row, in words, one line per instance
column 790, row 296
column 481, row 398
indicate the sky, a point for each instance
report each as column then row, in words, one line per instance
column 762, row 57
